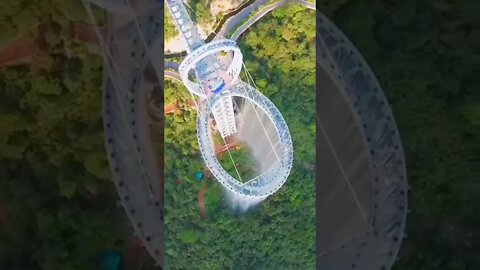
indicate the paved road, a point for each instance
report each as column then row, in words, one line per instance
column 173, row 75
column 235, row 20
column 264, row 11
column 307, row 4
column 171, row 65
column 232, row 22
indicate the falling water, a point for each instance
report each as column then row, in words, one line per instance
column 241, row 203
column 257, row 132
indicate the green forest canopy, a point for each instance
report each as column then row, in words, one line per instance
column 280, row 234
column 423, row 53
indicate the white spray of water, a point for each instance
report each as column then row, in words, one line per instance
column 241, row 203
column 258, row 133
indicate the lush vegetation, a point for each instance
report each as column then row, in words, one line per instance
column 280, row 233
column 59, row 208
column 54, row 178
column 250, row 15
column 19, row 16
column 425, row 54
column 200, row 10
column 169, row 29
column 246, row 166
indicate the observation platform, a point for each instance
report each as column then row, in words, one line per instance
column 268, row 182
column 362, row 189
column 217, row 85
column 202, row 60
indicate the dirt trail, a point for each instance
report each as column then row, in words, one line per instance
column 21, row 49
column 232, row 143
column 201, row 201
column 174, row 106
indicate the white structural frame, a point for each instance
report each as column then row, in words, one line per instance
column 265, row 184
column 225, row 116
column 204, row 51
column 200, row 58
column 181, row 18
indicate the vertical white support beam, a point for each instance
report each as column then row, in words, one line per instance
column 225, row 117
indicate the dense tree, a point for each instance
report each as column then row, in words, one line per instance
column 280, row 233
column 62, row 212
column 169, row 31
column 424, row 54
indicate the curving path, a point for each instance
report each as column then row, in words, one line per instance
column 172, row 65
column 235, row 20
column 307, row 4
column 232, row 22
column 264, row 11
column 172, row 74
column 201, row 201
